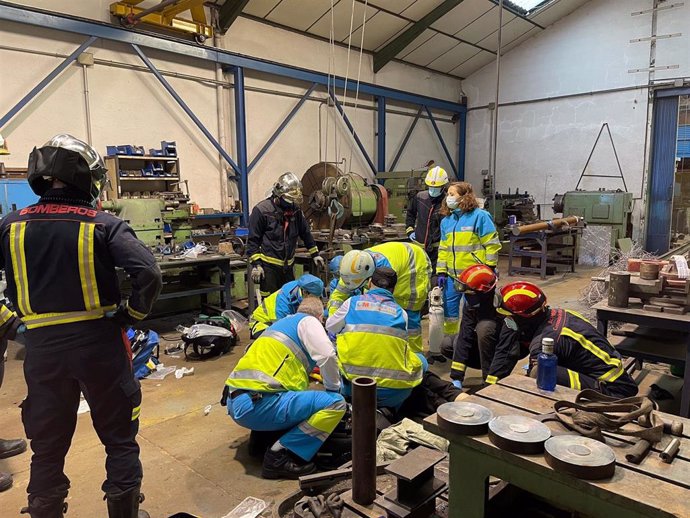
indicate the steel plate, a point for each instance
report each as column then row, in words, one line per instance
column 518, row 434
column 464, row 418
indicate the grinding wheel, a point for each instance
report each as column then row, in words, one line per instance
column 463, row 418
column 518, row 434
column 580, row 456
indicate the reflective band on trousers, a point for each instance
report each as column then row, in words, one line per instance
column 87, row 268
column 373, row 328
column 51, row 319
column 358, row 370
column 21, row 280
column 252, row 374
column 290, row 344
column 413, row 276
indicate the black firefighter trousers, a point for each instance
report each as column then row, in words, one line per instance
column 62, row 361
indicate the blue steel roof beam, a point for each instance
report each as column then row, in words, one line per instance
column 51, row 20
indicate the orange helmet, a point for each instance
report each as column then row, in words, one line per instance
column 522, row 299
column 478, row 278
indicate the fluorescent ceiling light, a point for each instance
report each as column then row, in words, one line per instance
column 526, row 7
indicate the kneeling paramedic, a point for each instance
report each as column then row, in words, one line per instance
column 413, row 269
column 372, row 341
column 60, row 256
column 586, row 359
column 481, row 324
column 268, row 390
column 283, row 302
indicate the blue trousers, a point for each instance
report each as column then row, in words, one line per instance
column 451, row 308
column 386, row 397
column 311, row 416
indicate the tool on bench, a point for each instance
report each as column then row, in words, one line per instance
column 464, row 418
column 518, row 434
column 670, row 452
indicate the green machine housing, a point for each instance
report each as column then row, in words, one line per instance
column 606, row 208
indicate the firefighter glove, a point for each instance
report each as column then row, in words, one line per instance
column 257, row 273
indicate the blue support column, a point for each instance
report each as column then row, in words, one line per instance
column 462, row 134
column 241, row 136
column 45, row 82
column 381, row 133
column 280, row 129
column 443, row 142
column 354, row 133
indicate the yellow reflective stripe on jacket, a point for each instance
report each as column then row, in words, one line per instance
column 457, row 366
column 491, row 380
column 136, row 412
column 87, row 268
column 492, row 246
column 21, row 280
column 574, row 380
column 270, row 260
column 36, row 320
column 313, row 250
column 5, row 316
column 138, row 315
column 616, row 365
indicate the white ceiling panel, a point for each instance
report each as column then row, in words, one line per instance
column 464, row 14
column 396, row 6
column 453, row 57
column 392, row 37
column 554, row 12
column 418, row 42
column 300, row 14
column 532, row 32
column 260, row 8
column 433, row 48
column 342, row 13
column 511, row 31
column 378, row 30
column 483, row 26
column 421, row 8
column 473, row 64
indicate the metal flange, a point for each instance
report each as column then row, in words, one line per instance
column 518, row 434
column 463, row 418
column 580, row 456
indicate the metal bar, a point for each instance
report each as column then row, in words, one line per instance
column 381, row 133
column 590, row 155
column 660, row 8
column 241, row 136
column 349, row 125
column 443, row 142
column 45, row 81
column 652, row 69
column 51, row 20
column 364, row 440
column 229, row 12
column 406, row 139
column 462, row 133
column 494, row 133
column 392, row 49
column 659, row 37
column 186, row 108
column 155, row 9
column 280, row 129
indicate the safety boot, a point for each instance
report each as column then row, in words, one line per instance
column 11, row 447
column 125, row 504
column 47, row 506
column 5, row 481
column 282, row 464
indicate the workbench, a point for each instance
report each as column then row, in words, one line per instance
column 650, row 489
column 547, row 247
column 666, row 324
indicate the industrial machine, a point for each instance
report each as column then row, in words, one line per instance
column 501, row 206
column 154, row 220
column 602, row 207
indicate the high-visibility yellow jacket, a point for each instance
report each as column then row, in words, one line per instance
column 373, row 342
column 277, row 305
column 464, row 234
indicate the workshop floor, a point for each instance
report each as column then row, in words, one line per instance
column 193, row 463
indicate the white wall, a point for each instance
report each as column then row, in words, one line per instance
column 130, row 106
column 543, row 145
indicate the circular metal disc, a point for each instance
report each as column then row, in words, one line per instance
column 518, row 434
column 580, row 456
column 464, row 418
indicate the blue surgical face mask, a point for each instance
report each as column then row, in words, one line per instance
column 452, row 202
column 435, row 192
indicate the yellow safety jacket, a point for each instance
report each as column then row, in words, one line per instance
column 277, row 305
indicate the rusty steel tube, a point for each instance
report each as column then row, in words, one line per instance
column 619, row 289
column 363, row 440
column 545, row 225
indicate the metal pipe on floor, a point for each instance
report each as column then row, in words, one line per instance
column 363, row 440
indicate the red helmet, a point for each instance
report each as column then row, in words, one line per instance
column 522, row 299
column 478, row 278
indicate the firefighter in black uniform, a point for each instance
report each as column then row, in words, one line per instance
column 423, row 219
column 275, row 224
column 586, row 359
column 60, row 257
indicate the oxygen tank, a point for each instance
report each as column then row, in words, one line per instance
column 435, row 320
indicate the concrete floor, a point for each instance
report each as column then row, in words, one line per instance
column 193, row 463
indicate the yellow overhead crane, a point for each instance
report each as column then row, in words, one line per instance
column 164, row 15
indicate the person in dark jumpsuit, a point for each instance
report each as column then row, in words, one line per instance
column 275, row 225
column 586, row 359
column 60, row 257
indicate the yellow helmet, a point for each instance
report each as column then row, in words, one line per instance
column 356, row 268
column 436, row 177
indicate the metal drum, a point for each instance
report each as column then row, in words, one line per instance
column 463, row 418
column 580, row 456
column 518, row 434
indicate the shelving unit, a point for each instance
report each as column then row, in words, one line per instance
column 124, row 186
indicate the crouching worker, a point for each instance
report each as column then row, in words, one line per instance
column 268, row 390
column 586, row 359
column 283, row 302
column 372, row 341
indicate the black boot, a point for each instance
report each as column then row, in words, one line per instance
column 48, row 506
column 11, row 447
column 125, row 504
column 282, row 464
column 5, row 481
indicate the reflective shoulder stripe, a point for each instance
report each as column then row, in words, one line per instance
column 375, row 329
column 288, row 342
column 252, row 374
column 578, row 315
column 87, row 267
column 457, row 366
column 21, row 279
column 491, row 380
column 574, row 380
column 617, row 366
column 50, row 319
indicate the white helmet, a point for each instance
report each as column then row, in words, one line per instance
column 436, row 177
column 356, row 267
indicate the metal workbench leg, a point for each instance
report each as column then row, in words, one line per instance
column 544, row 255
column 685, row 398
column 227, row 284
column 468, row 485
column 510, row 257
column 602, row 326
